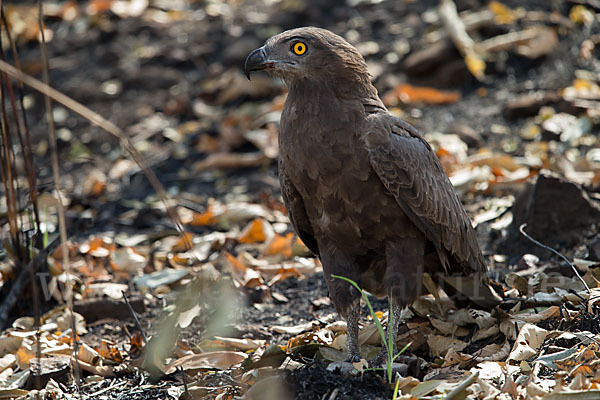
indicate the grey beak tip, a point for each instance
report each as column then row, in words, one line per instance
column 254, row 61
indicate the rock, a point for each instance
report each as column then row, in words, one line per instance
column 558, row 213
column 100, row 308
column 42, row 370
column 594, row 249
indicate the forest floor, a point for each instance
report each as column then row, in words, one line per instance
column 244, row 311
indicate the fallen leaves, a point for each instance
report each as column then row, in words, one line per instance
column 257, row 231
column 208, row 360
column 541, row 342
column 409, row 94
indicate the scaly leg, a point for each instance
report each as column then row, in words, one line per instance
column 352, row 332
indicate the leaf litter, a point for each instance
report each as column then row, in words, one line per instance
column 243, row 311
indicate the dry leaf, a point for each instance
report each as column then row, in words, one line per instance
column 453, row 357
column 439, row 345
column 581, row 15
column 127, row 259
column 211, row 360
column 207, row 218
column 528, row 341
column 183, row 243
column 409, row 94
column 7, row 361
column 293, row 330
column 280, row 245
column 494, row 352
column 243, row 276
column 239, row 344
column 257, row 231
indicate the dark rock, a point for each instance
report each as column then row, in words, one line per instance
column 100, row 308
column 594, row 249
column 558, row 213
column 42, row 370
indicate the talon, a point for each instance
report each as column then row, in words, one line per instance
column 352, row 358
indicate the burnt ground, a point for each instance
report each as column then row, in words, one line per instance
column 180, row 66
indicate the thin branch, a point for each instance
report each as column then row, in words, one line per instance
column 62, row 227
column 137, row 321
column 522, row 230
column 26, row 146
column 105, row 124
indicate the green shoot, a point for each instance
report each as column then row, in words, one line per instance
column 389, row 343
column 371, row 311
column 396, row 389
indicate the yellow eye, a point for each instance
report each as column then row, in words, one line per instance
column 299, row 48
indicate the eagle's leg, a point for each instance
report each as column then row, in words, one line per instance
column 343, row 295
column 403, row 277
column 393, row 321
column 352, row 318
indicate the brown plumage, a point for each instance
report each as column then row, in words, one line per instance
column 364, row 191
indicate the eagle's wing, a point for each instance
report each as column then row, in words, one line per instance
column 412, row 173
column 296, row 211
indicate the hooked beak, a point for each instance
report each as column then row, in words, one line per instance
column 255, row 61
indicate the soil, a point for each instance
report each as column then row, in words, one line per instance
column 167, row 67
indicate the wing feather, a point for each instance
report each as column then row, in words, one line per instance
column 409, row 169
column 296, row 211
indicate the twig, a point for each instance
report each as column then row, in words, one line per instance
column 522, row 230
column 508, row 40
column 184, row 378
column 458, row 33
column 62, row 227
column 574, row 292
column 137, row 321
column 22, row 134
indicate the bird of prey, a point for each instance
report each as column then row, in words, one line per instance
column 364, row 191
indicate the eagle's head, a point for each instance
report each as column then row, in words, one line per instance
column 308, row 53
